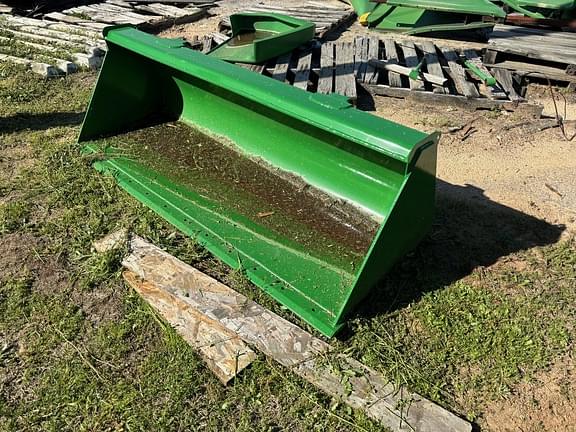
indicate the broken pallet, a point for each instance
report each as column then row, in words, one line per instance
column 382, row 65
column 49, row 48
column 147, row 16
column 533, row 53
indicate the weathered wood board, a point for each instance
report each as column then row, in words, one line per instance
column 536, row 44
column 222, row 350
column 37, row 44
column 305, row 355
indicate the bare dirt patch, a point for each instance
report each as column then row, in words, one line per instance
column 505, row 157
column 548, row 403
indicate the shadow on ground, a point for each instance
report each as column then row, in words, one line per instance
column 24, row 121
column 469, row 231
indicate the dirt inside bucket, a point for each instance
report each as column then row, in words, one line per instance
column 282, row 202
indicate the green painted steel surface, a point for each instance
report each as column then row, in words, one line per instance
column 547, row 4
column 258, row 37
column 385, row 170
column 469, row 7
column 541, row 9
column 412, row 20
column 486, row 78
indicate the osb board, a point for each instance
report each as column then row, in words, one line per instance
column 309, row 357
column 222, row 350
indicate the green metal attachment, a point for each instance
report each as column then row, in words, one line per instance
column 258, row 37
column 428, row 16
column 486, row 78
column 415, row 72
column 541, row 9
column 311, row 199
column 469, row 7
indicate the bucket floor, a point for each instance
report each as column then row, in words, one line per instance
column 284, row 203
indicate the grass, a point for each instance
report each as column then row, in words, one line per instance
column 80, row 351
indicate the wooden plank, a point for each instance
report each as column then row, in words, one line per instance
column 411, row 60
column 18, row 22
column 112, row 14
column 554, row 55
column 56, row 34
column 432, row 63
column 281, row 68
column 344, row 82
column 443, row 99
column 360, row 57
column 183, row 2
column 326, row 74
column 391, row 55
column 534, row 70
column 91, row 61
column 223, row 351
column 294, row 348
column 122, row 3
column 162, row 10
column 69, row 19
column 40, row 68
column 191, row 15
column 104, row 17
column 403, row 70
column 302, row 72
column 218, row 38
column 64, row 44
column 505, row 79
column 533, row 43
column 207, row 44
column 372, row 73
column 458, row 75
column 505, row 28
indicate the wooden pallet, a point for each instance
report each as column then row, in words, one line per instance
column 146, row 15
column 336, row 67
column 49, row 48
column 327, row 18
column 332, row 67
column 532, row 52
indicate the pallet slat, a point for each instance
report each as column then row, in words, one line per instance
column 302, row 72
column 458, row 75
column 326, row 74
column 411, row 60
column 391, row 55
column 432, row 63
column 281, row 69
column 345, row 82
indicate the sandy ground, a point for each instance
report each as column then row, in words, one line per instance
column 506, row 160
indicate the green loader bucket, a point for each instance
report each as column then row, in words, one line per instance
column 410, row 20
column 433, row 16
column 541, row 9
column 310, row 198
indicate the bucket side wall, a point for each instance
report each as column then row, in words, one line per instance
column 409, row 221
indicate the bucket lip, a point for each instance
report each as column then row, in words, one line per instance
column 326, row 112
